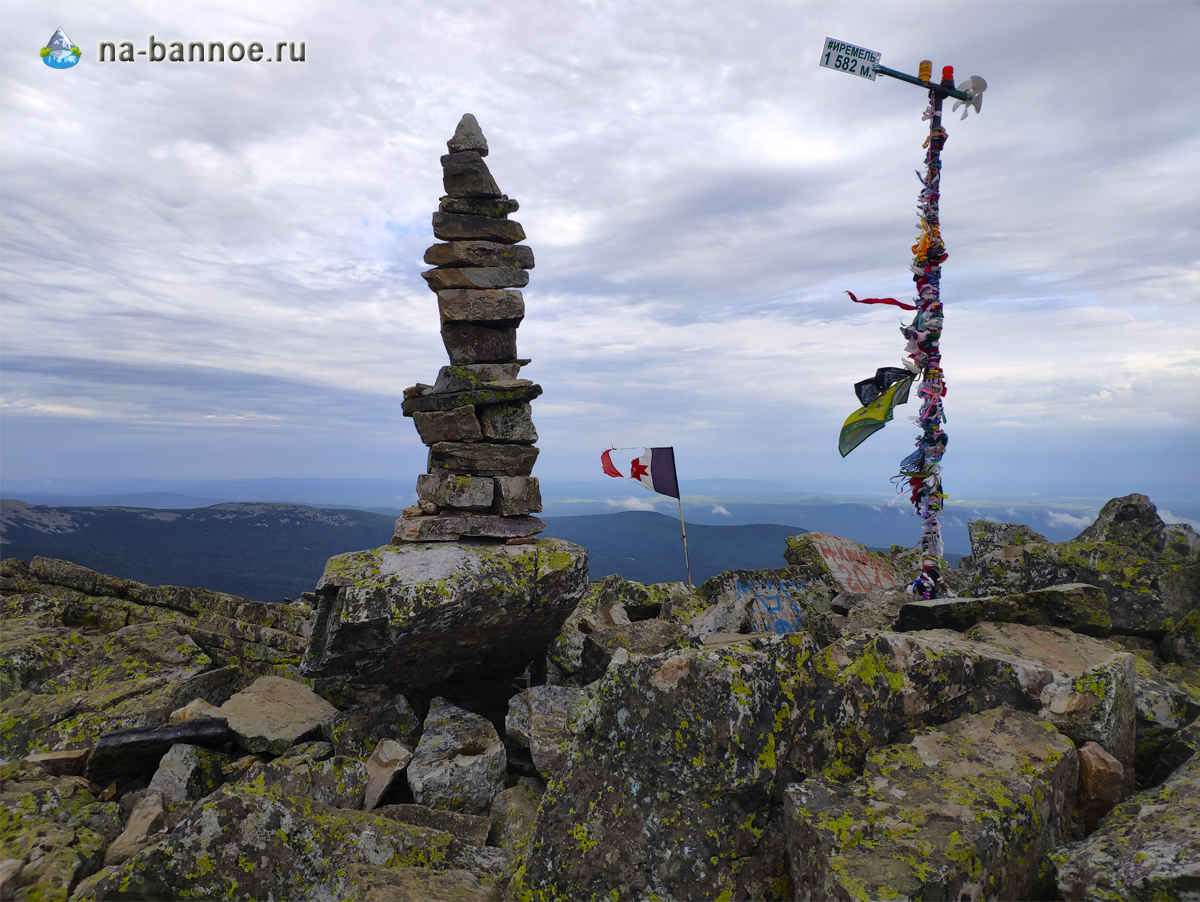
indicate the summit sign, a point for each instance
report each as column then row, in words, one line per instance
column 849, row 58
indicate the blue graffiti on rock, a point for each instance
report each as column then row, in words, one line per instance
column 775, row 609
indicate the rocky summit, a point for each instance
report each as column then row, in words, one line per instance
column 478, row 721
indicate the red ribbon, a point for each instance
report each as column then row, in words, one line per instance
column 892, row 301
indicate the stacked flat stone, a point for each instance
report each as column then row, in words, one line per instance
column 476, row 417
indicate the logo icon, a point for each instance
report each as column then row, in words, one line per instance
column 60, row 52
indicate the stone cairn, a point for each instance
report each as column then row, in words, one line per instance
column 475, row 418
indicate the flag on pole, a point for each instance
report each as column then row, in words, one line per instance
column 607, row 464
column 870, row 418
column 654, row 468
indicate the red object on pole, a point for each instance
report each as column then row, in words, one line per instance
column 947, row 74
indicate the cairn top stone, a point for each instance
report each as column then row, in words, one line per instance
column 468, row 136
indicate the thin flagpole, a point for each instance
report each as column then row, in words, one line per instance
column 686, row 563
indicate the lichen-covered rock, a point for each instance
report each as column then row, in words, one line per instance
column 471, row 829
column 95, row 684
column 736, row 721
column 669, row 787
column 337, row 781
column 1148, row 847
column 246, row 841
column 460, row 762
column 1181, row 745
column 83, row 654
column 539, row 719
column 273, row 713
column 147, row 818
column 1149, row 571
column 187, row 772
column 1182, row 641
column 838, row 565
column 367, row 883
column 1164, row 706
column 612, row 601
column 385, row 768
column 255, row 635
column 636, row 639
column 53, row 831
column 514, row 813
column 412, row 616
column 1077, row 606
column 1091, row 697
column 382, row 715
column 967, row 810
column 750, row 601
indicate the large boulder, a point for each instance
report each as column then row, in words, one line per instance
column 1093, row 696
column 967, row 810
column 413, row 616
column 677, row 752
column 460, row 761
column 247, row 840
column 539, row 719
column 752, row 601
column 1148, row 847
column 273, row 713
column 1150, row 571
column 838, row 565
column 1077, row 606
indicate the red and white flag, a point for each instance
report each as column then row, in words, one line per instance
column 654, row 468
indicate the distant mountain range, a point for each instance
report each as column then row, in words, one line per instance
column 276, row 551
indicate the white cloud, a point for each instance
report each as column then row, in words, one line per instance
column 1061, row 518
column 721, row 510
column 632, row 504
column 1169, row 517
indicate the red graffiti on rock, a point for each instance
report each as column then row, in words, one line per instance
column 852, row 564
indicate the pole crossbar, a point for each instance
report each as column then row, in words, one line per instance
column 942, row 89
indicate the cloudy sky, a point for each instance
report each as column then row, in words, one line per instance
column 212, row 270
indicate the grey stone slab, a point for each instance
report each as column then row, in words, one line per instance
column 476, row 277
column 465, row 174
column 497, row 392
column 480, row 253
column 468, row 136
column 481, row 305
column 482, row 458
column 457, row 490
column 469, row 377
column 492, row 207
column 460, row 226
column 474, row 343
column 454, row 526
column 456, row 425
column 508, row 423
column 518, row 495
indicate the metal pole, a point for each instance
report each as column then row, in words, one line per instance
column 925, row 332
column 686, row 563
